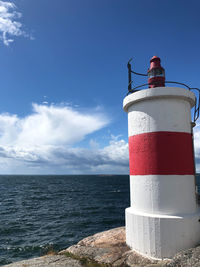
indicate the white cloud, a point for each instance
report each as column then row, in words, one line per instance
column 49, row 125
column 43, row 143
column 9, row 27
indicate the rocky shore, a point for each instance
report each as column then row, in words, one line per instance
column 107, row 249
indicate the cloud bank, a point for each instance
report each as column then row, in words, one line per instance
column 43, row 142
column 49, row 141
column 9, row 26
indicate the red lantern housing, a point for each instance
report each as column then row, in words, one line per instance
column 156, row 73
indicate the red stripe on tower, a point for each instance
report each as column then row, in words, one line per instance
column 161, row 153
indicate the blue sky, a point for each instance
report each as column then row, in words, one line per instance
column 63, row 77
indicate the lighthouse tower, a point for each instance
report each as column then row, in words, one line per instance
column 163, row 217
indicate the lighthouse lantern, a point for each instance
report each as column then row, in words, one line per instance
column 156, row 73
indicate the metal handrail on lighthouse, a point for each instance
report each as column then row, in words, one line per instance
column 137, row 88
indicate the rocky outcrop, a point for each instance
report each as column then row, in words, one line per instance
column 48, row 261
column 108, row 249
column 187, row 258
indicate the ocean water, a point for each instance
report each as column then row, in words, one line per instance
column 43, row 213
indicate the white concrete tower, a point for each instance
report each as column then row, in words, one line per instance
column 164, row 217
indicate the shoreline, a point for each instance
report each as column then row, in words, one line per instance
column 106, row 249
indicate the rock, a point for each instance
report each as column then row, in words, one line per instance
column 187, row 258
column 47, row 261
column 112, row 238
column 107, row 249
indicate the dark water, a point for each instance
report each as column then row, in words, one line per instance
column 41, row 213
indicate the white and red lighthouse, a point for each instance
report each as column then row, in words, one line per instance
column 164, row 216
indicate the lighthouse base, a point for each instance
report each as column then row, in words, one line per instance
column 161, row 236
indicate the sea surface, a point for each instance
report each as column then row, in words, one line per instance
column 43, row 213
column 39, row 214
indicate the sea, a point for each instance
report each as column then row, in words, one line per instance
column 39, row 214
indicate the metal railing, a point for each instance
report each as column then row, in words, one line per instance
column 138, row 88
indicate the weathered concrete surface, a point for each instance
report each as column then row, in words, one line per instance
column 108, row 249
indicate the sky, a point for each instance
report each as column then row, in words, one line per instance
column 63, row 77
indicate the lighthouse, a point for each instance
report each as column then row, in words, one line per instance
column 163, row 217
